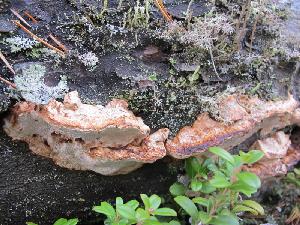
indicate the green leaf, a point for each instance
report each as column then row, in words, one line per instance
column 126, row 212
column 219, row 181
column 174, row 222
column 188, row 206
column 145, row 200
column 72, row 221
column 250, row 179
column 297, row 171
column 61, row 221
column 192, row 166
column 196, row 185
column 165, row 212
column 212, row 167
column 106, row 209
column 154, row 201
column 254, row 205
column 240, row 186
column 222, row 154
column 177, row 189
column 201, row 201
column 121, row 222
column 151, row 222
column 224, row 219
column 204, row 217
column 207, row 162
column 237, row 161
column 291, row 177
column 133, row 204
column 251, row 156
column 226, row 212
column 141, row 215
column 119, row 201
column 31, row 223
column 229, row 168
column 243, row 208
column 207, row 188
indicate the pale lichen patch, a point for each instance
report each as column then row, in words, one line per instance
column 30, row 82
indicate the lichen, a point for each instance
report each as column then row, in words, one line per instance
column 19, row 43
column 4, row 99
column 30, row 83
column 89, row 59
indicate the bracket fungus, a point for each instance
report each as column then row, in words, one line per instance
column 109, row 140
column 244, row 117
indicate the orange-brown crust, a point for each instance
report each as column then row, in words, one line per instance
column 207, row 132
column 275, row 167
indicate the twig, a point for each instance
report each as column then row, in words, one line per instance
column 163, row 10
column 240, row 18
column 8, row 83
column 188, row 14
column 120, row 4
column 257, row 18
column 58, row 42
column 30, row 17
column 241, row 32
column 213, row 63
column 60, row 52
column 19, row 17
column 244, row 24
column 7, row 63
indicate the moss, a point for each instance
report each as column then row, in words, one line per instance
column 139, row 16
column 171, row 104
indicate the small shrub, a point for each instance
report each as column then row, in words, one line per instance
column 131, row 213
column 216, row 185
column 61, row 221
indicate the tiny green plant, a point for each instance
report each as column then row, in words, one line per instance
column 213, row 194
column 294, row 177
column 61, row 221
column 130, row 212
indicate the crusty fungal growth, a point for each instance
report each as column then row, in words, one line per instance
column 109, row 140
column 274, row 147
column 244, row 116
column 276, row 167
column 280, row 156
